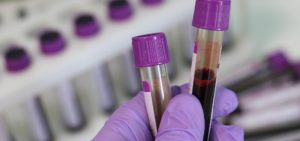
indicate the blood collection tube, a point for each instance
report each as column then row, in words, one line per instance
column 211, row 18
column 272, row 68
column 271, row 98
column 151, row 57
column 53, row 43
column 122, row 11
column 18, row 60
column 4, row 132
column 274, row 95
column 271, row 121
column 86, row 26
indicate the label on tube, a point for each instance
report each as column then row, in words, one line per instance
column 149, row 106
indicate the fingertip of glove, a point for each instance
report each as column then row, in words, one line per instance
column 232, row 133
column 182, row 120
column 185, row 102
column 226, row 102
column 185, row 88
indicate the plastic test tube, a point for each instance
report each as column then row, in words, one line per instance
column 151, row 57
column 211, row 18
column 273, row 96
column 120, row 11
column 52, row 43
column 17, row 60
column 86, row 26
column 172, row 66
column 275, row 65
column 271, row 121
column 292, row 135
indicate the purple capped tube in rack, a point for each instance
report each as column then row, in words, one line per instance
column 151, row 56
column 274, row 95
column 119, row 10
column 275, row 67
column 52, row 42
column 85, row 25
column 16, row 59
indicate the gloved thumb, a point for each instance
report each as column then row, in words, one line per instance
column 178, row 124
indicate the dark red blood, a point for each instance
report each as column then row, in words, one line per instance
column 204, row 90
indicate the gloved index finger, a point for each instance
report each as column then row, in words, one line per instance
column 128, row 122
column 225, row 102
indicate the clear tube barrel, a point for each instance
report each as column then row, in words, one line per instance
column 208, row 46
column 158, row 80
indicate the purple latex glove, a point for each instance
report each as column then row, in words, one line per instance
column 183, row 119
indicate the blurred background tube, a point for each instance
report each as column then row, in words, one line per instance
column 86, row 26
column 39, row 124
column 274, row 67
column 52, row 43
column 120, row 12
column 270, row 122
column 18, row 60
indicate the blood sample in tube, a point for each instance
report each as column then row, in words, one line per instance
column 151, row 56
column 211, row 19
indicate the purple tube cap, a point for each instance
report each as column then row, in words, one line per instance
column 152, row 2
column 278, row 61
column 16, row 59
column 212, row 14
column 150, row 50
column 86, row 25
column 51, row 42
column 119, row 10
column 296, row 69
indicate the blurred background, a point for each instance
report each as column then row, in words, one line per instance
column 66, row 65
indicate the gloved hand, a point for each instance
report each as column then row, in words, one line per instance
column 183, row 119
